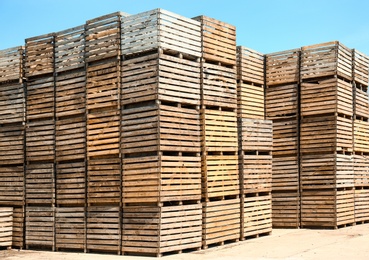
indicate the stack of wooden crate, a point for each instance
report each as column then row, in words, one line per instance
column 70, row 139
column 12, row 131
column 326, row 138
column 220, row 176
column 255, row 145
column 361, row 135
column 40, row 141
column 160, row 134
column 282, row 107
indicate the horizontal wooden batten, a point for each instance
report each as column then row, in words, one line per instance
column 286, row 209
column 281, row 100
column 285, row 172
column 285, row 136
column 256, row 135
column 18, row 227
column 12, row 191
column 12, row 144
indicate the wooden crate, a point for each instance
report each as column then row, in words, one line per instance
column 285, row 136
column 326, row 96
column 360, row 65
column 70, row 138
column 285, row 173
column 218, row 40
column 327, row 171
column 257, row 214
column 103, row 180
column 220, row 176
column 102, row 85
column 361, row 136
column 40, row 183
column 250, row 65
column 326, row 59
column 103, row 133
column 286, row 209
column 39, row 55
column 161, row 76
column 12, row 185
column 219, row 130
column 161, row 178
column 159, row 28
column 282, row 67
column 40, row 223
column 361, row 170
column 6, row 226
column 255, row 172
column 361, row 102
column 70, row 228
column 12, row 144
column 71, row 183
column 11, row 64
column 250, row 101
column 221, row 221
column 40, row 98
column 70, row 93
column 219, row 86
column 103, row 229
column 40, row 140
column 256, row 135
column 329, row 208
column 326, row 134
column 151, row 230
column 361, row 204
column 281, row 100
column 12, row 103
column 18, row 227
column 102, row 37
column 70, row 49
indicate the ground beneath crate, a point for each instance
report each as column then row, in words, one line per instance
column 346, row 243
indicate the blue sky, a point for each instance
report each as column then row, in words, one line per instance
column 263, row 25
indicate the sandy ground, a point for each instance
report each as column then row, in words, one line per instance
column 291, row 244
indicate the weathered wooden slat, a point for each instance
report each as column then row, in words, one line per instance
column 286, row 209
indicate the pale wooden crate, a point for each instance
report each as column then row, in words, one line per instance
column 361, row 102
column 40, row 183
column 250, row 101
column 286, row 209
column 256, row 135
column 250, row 65
column 12, row 103
column 11, row 64
column 361, row 204
column 285, row 173
column 326, row 59
column 285, row 136
column 327, row 171
column 256, row 217
column 327, row 134
column 70, row 228
column 103, row 229
column 39, row 231
column 151, row 230
column 18, row 227
column 220, row 175
column 39, row 55
column 71, row 183
column 324, row 96
column 70, row 138
column 70, row 49
column 6, row 226
column 70, row 93
column 162, row 29
column 361, row 136
column 12, row 144
column 218, row 40
column 161, row 76
column 40, row 140
column 221, row 221
column 40, row 98
column 281, row 100
column 161, row 178
column 360, row 67
column 12, row 185
column 327, row 208
column 219, row 130
column 283, row 67
column 361, row 170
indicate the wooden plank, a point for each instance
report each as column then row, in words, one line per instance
column 40, row 184
column 40, row 140
column 285, row 171
column 361, row 204
column 285, row 136
column 6, row 226
column 286, row 209
column 12, row 185
column 18, row 227
column 250, row 101
column 281, row 100
column 40, row 98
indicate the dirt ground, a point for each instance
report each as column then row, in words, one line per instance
column 292, row 244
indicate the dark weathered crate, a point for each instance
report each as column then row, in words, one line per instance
column 281, row 100
column 11, row 64
column 285, row 172
column 40, row 98
column 12, row 103
column 12, row 144
column 285, row 136
column 40, row 183
column 18, row 227
column 286, row 209
column 250, row 65
column 12, row 185
column 40, row 140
